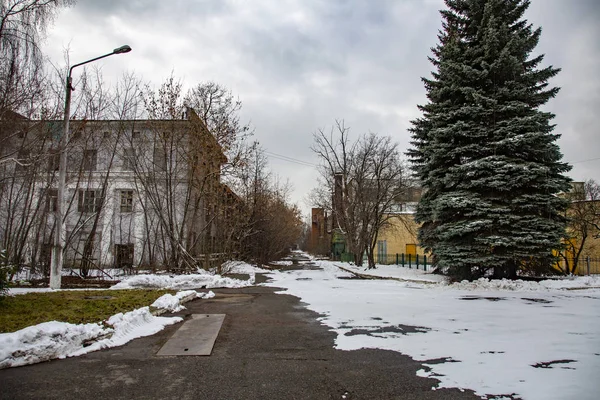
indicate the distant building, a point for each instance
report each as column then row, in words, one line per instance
column 320, row 237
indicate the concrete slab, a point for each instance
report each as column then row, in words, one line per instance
column 196, row 337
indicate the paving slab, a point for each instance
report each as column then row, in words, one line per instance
column 196, row 337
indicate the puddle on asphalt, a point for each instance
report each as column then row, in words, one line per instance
column 402, row 329
column 532, row 300
column 442, row 360
column 551, row 364
column 482, row 298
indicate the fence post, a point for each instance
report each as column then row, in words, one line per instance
column 403, row 259
column 424, row 262
column 409, row 260
column 396, row 258
column 587, row 260
column 417, row 261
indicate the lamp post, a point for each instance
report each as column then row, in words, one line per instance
column 56, row 263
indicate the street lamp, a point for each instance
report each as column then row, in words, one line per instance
column 60, row 220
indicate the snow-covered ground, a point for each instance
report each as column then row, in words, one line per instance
column 534, row 340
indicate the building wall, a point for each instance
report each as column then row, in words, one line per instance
column 320, row 239
column 400, row 236
column 187, row 187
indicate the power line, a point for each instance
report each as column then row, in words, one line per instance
column 589, row 159
column 290, row 159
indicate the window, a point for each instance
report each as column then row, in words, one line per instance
column 159, row 159
column 106, row 134
column 76, row 135
column 126, row 200
column 128, row 159
column 53, row 161
column 135, row 135
column 89, row 201
column 124, row 255
column 90, row 159
column 52, row 200
column 23, row 160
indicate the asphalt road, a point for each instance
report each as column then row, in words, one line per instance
column 269, row 347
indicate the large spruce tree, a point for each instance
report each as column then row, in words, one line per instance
column 484, row 150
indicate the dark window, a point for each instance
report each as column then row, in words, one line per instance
column 135, row 135
column 51, row 200
column 126, row 200
column 159, row 159
column 90, row 159
column 53, row 161
column 128, row 158
column 89, row 201
column 124, row 255
column 23, row 160
column 106, row 134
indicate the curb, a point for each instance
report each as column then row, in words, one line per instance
column 389, row 278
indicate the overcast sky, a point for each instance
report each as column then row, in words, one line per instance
column 298, row 65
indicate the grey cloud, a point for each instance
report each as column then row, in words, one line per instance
column 298, row 65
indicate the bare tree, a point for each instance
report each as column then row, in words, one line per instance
column 219, row 110
column 272, row 225
column 364, row 181
column 22, row 27
column 583, row 222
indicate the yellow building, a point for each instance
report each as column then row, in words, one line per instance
column 397, row 242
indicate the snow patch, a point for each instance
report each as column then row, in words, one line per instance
column 240, row 267
column 172, row 303
column 485, row 284
column 50, row 340
column 182, row 282
column 46, row 341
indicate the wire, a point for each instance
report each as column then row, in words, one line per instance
column 589, row 159
column 289, row 159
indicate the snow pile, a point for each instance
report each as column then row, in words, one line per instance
column 55, row 339
column 181, row 282
column 574, row 282
column 172, row 303
column 283, row 263
column 126, row 327
column 45, row 341
column 240, row 267
column 518, row 285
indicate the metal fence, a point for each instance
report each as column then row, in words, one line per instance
column 416, row 261
column 586, row 265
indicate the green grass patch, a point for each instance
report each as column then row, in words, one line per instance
column 77, row 307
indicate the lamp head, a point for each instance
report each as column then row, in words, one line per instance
column 122, row 49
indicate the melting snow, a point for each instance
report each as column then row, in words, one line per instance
column 533, row 340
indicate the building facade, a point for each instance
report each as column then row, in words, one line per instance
column 139, row 193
